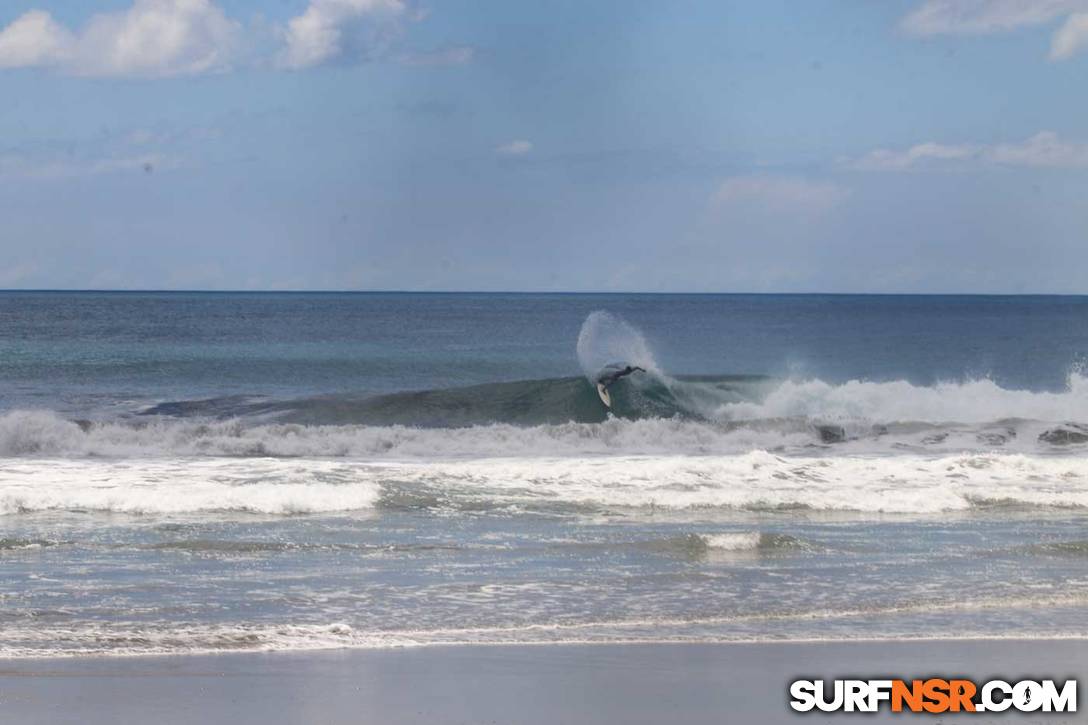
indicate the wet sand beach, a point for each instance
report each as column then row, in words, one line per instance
column 545, row 684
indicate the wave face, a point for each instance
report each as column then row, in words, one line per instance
column 525, row 402
column 563, row 417
column 717, row 406
column 717, row 398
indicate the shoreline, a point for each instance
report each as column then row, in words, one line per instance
column 633, row 683
column 641, row 642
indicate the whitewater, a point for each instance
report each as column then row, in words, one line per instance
column 753, row 481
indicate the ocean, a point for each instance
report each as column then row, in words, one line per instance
column 207, row 472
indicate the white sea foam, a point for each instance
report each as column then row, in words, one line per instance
column 42, row 433
column 119, row 640
column 908, row 484
column 45, row 434
column 182, row 486
column 734, row 541
column 129, row 639
column 973, row 401
column 903, row 484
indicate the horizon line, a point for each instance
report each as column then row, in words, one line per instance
column 152, row 290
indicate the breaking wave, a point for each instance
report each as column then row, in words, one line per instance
column 794, row 417
column 679, row 442
column 973, row 401
column 43, row 433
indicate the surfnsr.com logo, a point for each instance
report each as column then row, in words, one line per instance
column 933, row 695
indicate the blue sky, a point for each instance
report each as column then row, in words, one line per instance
column 851, row 146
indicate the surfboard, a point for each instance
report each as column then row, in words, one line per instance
column 605, row 397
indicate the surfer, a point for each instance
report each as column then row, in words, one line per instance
column 609, row 375
column 615, row 373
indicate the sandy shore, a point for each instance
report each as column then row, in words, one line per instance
column 681, row 683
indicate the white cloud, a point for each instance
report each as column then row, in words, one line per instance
column 34, row 39
column 331, row 29
column 779, row 193
column 920, row 154
column 153, row 38
column 1071, row 38
column 159, row 38
column 984, row 17
column 515, row 148
column 987, row 17
column 1045, row 150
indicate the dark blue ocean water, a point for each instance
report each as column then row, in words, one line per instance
column 192, row 472
column 77, row 350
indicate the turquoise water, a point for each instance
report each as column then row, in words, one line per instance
column 191, row 472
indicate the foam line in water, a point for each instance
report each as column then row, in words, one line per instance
column 761, row 480
column 734, row 541
column 130, row 639
column 188, row 486
column 758, row 480
column 45, row 434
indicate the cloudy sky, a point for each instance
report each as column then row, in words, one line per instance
column 851, row 145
